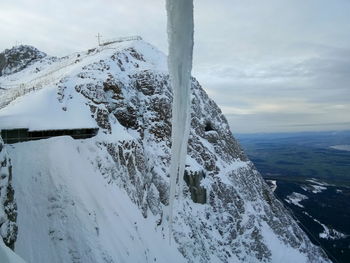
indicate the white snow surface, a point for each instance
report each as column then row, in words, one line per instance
column 86, row 219
column 295, row 199
column 317, row 182
column 343, row 147
column 7, row 255
column 42, row 111
column 318, row 189
column 180, row 37
column 272, row 184
column 282, row 253
column 328, row 233
column 316, row 186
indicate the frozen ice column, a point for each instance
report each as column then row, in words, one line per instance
column 180, row 37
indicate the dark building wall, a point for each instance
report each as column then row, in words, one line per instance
column 14, row 135
column 21, row 135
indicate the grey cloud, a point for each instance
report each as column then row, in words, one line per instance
column 284, row 123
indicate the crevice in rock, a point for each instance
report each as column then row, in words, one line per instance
column 209, row 126
column 193, row 181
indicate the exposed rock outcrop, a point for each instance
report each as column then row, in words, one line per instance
column 237, row 206
column 8, row 207
column 17, row 58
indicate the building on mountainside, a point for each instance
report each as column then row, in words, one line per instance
column 21, row 135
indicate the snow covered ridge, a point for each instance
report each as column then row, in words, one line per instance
column 102, row 199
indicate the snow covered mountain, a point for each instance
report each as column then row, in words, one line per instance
column 105, row 199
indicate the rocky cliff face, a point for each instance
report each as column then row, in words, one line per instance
column 228, row 213
column 17, row 58
column 8, row 207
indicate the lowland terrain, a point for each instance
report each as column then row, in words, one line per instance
column 310, row 174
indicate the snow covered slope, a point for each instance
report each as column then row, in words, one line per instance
column 77, row 215
column 7, row 255
column 102, row 199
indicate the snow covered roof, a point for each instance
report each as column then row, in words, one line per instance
column 42, row 111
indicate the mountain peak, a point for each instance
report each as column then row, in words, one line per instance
column 116, row 183
column 17, row 58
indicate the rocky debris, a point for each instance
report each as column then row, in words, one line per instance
column 17, row 58
column 8, row 207
column 135, row 54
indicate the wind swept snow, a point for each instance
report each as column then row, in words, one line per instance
column 180, row 36
column 76, row 215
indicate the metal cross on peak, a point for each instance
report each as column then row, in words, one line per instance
column 99, row 38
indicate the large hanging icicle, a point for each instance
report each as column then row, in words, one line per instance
column 180, row 37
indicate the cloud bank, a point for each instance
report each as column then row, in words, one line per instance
column 273, row 65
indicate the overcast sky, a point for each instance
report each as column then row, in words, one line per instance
column 272, row 65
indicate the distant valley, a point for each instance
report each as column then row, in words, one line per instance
column 323, row 155
column 310, row 174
